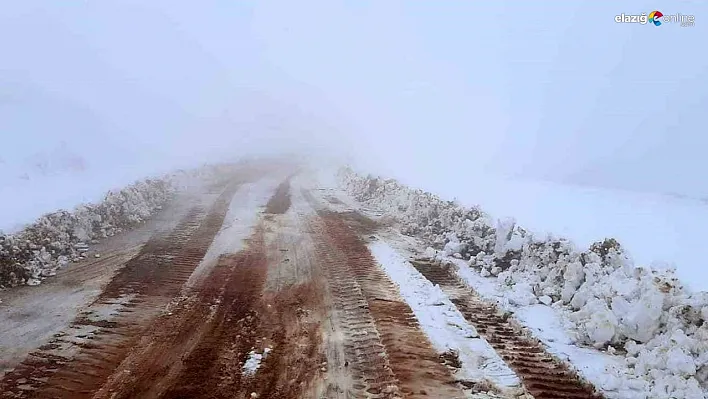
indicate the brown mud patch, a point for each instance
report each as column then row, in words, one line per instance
column 280, row 202
column 334, row 200
column 281, row 326
column 290, row 323
column 212, row 368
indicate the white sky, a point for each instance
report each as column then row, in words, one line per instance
column 546, row 90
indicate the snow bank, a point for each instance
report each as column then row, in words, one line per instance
column 55, row 239
column 643, row 314
column 651, row 226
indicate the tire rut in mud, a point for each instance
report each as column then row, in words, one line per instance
column 542, row 374
column 290, row 319
column 363, row 348
column 281, row 326
column 280, row 202
column 213, row 367
column 388, row 353
column 139, row 290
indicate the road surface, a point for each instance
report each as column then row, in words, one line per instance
column 259, row 287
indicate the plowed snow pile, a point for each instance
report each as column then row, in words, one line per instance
column 644, row 316
column 58, row 238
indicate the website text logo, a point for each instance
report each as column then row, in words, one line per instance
column 656, row 18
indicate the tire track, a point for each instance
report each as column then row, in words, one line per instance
column 77, row 362
column 282, row 325
column 213, row 367
column 280, row 202
column 290, row 325
column 389, row 355
column 544, row 376
column 363, row 348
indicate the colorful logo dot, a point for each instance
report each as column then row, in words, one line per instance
column 655, row 17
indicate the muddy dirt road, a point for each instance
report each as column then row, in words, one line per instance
column 263, row 288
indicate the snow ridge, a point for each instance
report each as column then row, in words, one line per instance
column 57, row 238
column 641, row 314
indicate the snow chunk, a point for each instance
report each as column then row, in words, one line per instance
column 453, row 246
column 253, row 363
column 508, row 237
column 546, row 300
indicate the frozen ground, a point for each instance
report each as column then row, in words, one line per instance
column 634, row 332
column 651, row 227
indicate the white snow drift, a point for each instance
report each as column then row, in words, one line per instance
column 55, row 239
column 644, row 315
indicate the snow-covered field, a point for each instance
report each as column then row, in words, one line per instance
column 25, row 200
column 634, row 332
column 653, row 228
column 37, row 250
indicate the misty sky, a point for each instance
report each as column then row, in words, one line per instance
column 545, row 90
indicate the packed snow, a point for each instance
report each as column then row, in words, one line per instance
column 253, row 363
column 239, row 222
column 442, row 322
column 651, row 329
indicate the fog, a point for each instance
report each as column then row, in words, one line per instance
column 417, row 90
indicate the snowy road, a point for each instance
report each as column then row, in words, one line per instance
column 267, row 286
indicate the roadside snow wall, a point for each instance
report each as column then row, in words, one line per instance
column 643, row 314
column 58, row 238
